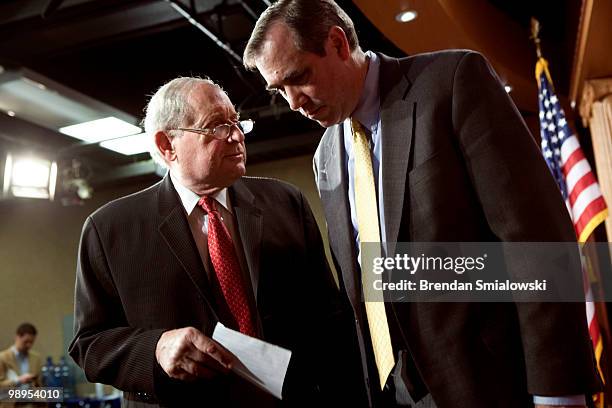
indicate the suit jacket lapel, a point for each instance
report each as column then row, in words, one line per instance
column 397, row 121
column 250, row 226
column 175, row 230
column 333, row 189
column 397, row 133
column 12, row 362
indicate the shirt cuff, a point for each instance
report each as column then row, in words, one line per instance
column 563, row 400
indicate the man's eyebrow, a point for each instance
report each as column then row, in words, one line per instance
column 209, row 119
column 293, row 75
column 287, row 79
column 217, row 116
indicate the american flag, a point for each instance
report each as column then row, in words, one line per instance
column 580, row 190
column 567, row 162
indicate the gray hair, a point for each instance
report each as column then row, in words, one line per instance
column 308, row 20
column 169, row 108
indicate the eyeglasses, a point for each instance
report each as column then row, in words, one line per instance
column 222, row 131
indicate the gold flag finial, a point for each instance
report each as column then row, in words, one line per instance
column 535, row 35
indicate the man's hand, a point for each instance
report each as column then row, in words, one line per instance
column 26, row 378
column 559, row 406
column 187, row 354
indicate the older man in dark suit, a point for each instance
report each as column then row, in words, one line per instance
column 158, row 269
column 428, row 148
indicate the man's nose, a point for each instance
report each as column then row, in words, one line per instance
column 295, row 97
column 236, row 134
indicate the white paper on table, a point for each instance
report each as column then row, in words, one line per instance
column 262, row 364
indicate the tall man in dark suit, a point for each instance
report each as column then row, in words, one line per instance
column 159, row 268
column 428, row 148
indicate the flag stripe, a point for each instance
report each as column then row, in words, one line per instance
column 580, row 169
column 594, row 329
column 594, row 209
column 590, row 309
column 576, row 156
column 587, row 197
column 568, row 147
column 586, row 180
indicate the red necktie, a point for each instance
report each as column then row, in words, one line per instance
column 225, row 262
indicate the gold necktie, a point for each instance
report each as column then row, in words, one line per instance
column 367, row 222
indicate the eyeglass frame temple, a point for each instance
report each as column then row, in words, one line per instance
column 206, row 131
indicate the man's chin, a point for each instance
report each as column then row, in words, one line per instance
column 323, row 116
column 240, row 170
column 327, row 123
column 230, row 178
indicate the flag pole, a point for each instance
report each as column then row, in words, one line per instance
column 541, row 64
column 582, row 232
column 535, row 36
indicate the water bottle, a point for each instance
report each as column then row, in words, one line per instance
column 47, row 372
column 67, row 379
column 57, row 376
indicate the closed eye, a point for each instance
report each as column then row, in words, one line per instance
column 295, row 78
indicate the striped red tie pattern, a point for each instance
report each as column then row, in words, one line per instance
column 225, row 262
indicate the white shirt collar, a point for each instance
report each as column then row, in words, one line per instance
column 18, row 354
column 367, row 111
column 189, row 199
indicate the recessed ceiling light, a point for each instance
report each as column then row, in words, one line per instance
column 406, row 16
column 10, row 113
column 100, row 129
column 508, row 88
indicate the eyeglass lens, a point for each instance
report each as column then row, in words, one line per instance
column 223, row 131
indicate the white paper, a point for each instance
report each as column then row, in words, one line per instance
column 262, row 364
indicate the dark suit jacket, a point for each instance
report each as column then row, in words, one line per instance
column 460, row 165
column 139, row 274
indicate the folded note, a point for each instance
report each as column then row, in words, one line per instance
column 260, row 363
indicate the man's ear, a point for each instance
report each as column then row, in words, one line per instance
column 337, row 43
column 163, row 141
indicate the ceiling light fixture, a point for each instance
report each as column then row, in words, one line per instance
column 44, row 102
column 100, row 129
column 508, row 88
column 128, row 145
column 406, row 16
column 29, row 177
